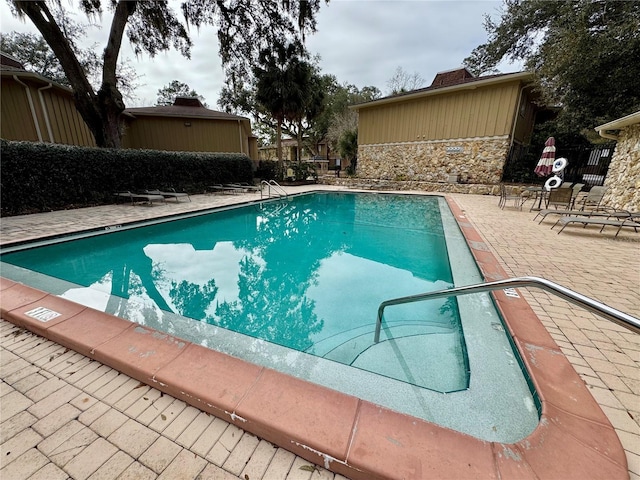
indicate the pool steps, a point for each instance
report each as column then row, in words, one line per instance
column 353, row 437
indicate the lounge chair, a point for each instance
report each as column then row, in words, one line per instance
column 585, row 220
column 147, row 198
column 218, row 187
column 576, row 190
column 592, row 199
column 171, row 194
column 560, row 197
column 602, row 212
column 243, row 186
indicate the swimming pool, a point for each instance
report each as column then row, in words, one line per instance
column 314, row 254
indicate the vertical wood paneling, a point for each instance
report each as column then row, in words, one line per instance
column 16, row 121
column 67, row 125
column 481, row 112
column 171, row 134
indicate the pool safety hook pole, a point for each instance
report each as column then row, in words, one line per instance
column 616, row 316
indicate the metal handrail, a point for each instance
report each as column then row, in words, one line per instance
column 281, row 192
column 616, row 316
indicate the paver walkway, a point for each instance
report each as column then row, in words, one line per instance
column 64, row 415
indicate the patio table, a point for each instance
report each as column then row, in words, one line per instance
column 540, row 193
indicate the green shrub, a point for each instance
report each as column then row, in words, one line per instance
column 39, row 177
column 267, row 170
column 303, row 170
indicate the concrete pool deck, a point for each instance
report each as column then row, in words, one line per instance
column 41, row 407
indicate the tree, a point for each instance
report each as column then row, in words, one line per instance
column 284, row 87
column 309, row 82
column 348, row 147
column 581, row 52
column 333, row 119
column 168, row 93
column 35, row 54
column 342, row 129
column 244, row 28
column 402, row 81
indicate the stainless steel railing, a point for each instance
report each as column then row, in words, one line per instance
column 616, row 316
column 272, row 184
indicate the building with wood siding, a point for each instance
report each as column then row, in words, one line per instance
column 461, row 128
column 37, row 109
column 188, row 126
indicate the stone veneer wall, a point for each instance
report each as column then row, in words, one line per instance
column 406, row 185
column 623, row 177
column 474, row 160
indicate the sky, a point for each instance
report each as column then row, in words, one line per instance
column 361, row 42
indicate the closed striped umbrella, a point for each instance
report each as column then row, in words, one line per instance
column 545, row 164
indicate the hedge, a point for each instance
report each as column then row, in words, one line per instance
column 40, row 177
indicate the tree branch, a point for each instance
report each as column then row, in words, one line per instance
column 123, row 11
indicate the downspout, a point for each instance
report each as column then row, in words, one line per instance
column 240, row 135
column 513, row 131
column 515, row 118
column 44, row 111
column 33, row 110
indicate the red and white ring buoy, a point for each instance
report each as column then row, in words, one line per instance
column 559, row 165
column 552, row 182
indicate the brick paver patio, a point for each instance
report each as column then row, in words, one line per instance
column 64, row 415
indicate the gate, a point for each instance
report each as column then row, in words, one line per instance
column 587, row 164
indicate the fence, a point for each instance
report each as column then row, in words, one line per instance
column 586, row 164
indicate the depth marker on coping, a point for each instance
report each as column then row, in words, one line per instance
column 42, row 314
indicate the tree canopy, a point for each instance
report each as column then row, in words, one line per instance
column 403, row 81
column 284, row 87
column 584, row 53
column 333, row 120
column 35, row 55
column 244, row 28
column 167, row 94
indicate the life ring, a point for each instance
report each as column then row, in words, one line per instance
column 559, row 165
column 552, row 182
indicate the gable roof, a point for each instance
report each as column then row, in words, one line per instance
column 9, row 63
column 190, row 107
column 452, row 77
column 449, row 81
column 11, row 67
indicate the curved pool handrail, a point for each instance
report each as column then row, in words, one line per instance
column 623, row 319
column 277, row 188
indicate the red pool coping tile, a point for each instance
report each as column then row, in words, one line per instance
column 87, row 331
column 199, row 374
column 309, row 417
column 350, row 436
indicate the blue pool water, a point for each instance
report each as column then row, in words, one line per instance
column 295, row 285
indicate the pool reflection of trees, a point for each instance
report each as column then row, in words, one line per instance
column 272, row 302
column 285, row 245
column 291, row 241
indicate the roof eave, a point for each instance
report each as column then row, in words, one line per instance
column 176, row 115
column 606, row 130
column 519, row 76
column 34, row 76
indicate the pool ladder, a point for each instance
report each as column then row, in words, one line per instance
column 616, row 316
column 278, row 191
